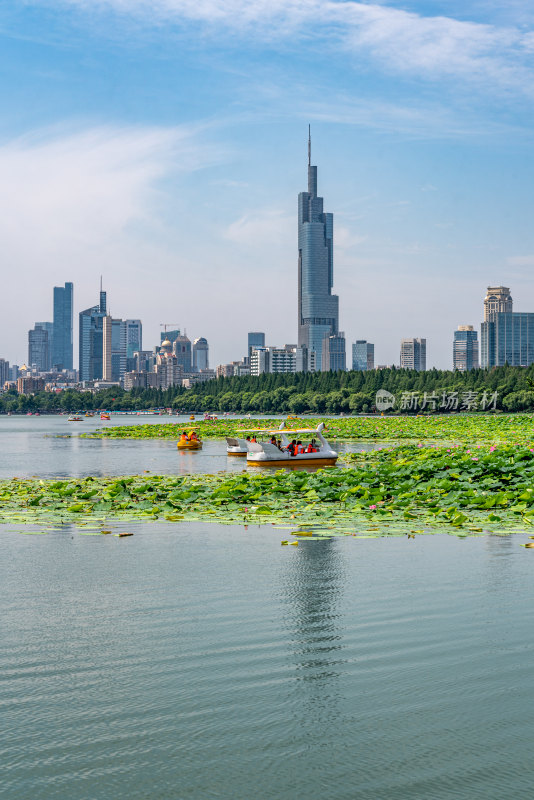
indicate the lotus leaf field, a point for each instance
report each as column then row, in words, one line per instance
column 403, row 490
column 490, row 428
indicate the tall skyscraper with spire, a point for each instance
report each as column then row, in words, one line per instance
column 318, row 308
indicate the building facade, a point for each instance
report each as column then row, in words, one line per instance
column 465, row 349
column 200, row 354
column 498, row 300
column 318, row 308
column 183, row 352
column 363, row 355
column 61, row 345
column 333, row 355
column 255, row 339
column 39, row 347
column 413, row 354
column 5, row 372
column 507, row 338
column 91, row 341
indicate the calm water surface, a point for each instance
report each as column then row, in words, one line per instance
column 204, row 661
column 194, row 661
column 50, row 447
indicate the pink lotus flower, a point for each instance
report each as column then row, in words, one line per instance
column 373, row 508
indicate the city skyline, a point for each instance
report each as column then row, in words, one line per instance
column 154, row 163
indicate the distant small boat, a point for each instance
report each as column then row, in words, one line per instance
column 103, row 415
column 75, row 418
column 89, row 414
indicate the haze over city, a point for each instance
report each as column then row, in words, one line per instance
column 163, row 146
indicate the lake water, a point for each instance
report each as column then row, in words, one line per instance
column 195, row 661
column 50, row 447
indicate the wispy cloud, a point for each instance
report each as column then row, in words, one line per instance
column 263, row 228
column 406, row 42
column 76, row 203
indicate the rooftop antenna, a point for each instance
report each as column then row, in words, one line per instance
column 309, row 145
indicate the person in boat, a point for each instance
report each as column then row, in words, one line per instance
column 193, row 437
column 291, row 448
column 311, row 448
column 299, row 449
column 273, row 440
column 247, row 439
column 183, row 437
column 254, row 438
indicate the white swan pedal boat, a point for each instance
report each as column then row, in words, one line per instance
column 238, row 447
column 269, row 455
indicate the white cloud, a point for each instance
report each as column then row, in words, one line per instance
column 76, row 204
column 407, row 42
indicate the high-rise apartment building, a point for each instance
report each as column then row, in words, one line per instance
column 201, row 354
column 61, row 344
column 39, row 348
column 91, row 341
column 363, row 355
column 498, row 300
column 465, row 349
column 318, row 308
column 413, row 354
column 333, row 355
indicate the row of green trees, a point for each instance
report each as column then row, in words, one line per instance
column 325, row 392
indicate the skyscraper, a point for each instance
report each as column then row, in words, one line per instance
column 465, row 349
column 200, row 354
column 38, row 348
column 182, row 350
column 413, row 354
column 333, row 353
column 363, row 355
column 62, row 334
column 91, row 344
column 318, row 308
column 498, row 300
column 507, row 338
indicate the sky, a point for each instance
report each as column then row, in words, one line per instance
column 162, row 144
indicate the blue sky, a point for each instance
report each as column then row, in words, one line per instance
column 162, row 143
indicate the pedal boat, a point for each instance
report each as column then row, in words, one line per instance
column 265, row 454
column 104, row 416
column 238, row 447
column 191, row 444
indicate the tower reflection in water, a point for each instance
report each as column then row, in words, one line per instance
column 310, row 590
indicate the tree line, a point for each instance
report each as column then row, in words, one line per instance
column 317, row 393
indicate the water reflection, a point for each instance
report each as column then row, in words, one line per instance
column 310, row 587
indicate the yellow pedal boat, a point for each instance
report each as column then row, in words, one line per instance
column 190, row 445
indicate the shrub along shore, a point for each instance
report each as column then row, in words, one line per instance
column 406, row 490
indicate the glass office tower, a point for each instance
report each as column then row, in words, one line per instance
column 318, row 308
column 62, row 331
column 92, row 341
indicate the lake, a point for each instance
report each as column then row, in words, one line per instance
column 207, row 661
